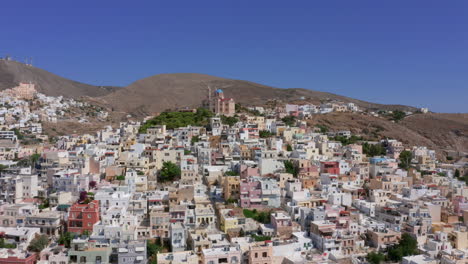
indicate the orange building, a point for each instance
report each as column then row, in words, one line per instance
column 82, row 217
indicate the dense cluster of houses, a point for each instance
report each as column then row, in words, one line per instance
column 225, row 194
column 306, row 110
column 24, row 108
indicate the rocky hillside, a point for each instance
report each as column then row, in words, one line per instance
column 168, row 91
column 12, row 72
column 436, row 131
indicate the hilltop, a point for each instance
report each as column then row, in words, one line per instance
column 13, row 72
column 169, row 91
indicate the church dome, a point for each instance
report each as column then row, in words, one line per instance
column 219, row 91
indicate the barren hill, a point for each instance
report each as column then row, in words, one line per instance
column 13, row 72
column 436, row 131
column 168, row 91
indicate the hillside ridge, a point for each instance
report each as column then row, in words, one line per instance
column 168, row 91
column 13, row 72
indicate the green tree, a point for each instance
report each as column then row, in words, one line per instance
column 238, row 107
column 258, row 238
column 65, row 239
column 373, row 150
column 406, row 247
column 178, row 119
column 289, row 148
column 169, row 172
column 229, row 120
column 120, row 178
column 265, row 134
column 457, row 173
column 289, row 120
column 18, row 134
column 405, row 159
column 347, row 140
column 398, row 115
column 231, row 201
column 152, row 250
column 323, row 129
column 38, row 243
column 375, row 257
column 195, row 139
column 35, row 157
column 231, row 173
column 44, row 204
column 6, row 245
column 291, row 168
column 262, row 217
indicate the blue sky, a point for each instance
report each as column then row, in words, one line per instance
column 402, row 52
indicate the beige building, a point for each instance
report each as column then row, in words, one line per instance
column 383, row 239
column 26, row 91
column 260, row 253
column 459, row 239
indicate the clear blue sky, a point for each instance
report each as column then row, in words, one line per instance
column 406, row 52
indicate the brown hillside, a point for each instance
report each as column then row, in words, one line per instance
column 12, row 73
column 168, row 91
column 437, row 131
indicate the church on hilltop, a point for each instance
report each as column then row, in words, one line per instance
column 220, row 105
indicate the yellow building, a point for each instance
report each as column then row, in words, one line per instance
column 231, row 187
column 228, row 220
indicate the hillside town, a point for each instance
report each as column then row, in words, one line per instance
column 23, row 108
column 223, row 183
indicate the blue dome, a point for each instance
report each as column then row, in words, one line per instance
column 219, row 91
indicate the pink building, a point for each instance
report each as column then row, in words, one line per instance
column 217, row 158
column 223, row 106
column 460, row 203
column 247, row 171
column 251, row 194
column 282, row 224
